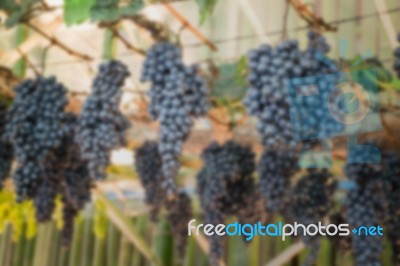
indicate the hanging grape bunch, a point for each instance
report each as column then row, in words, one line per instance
column 101, row 125
column 179, row 213
column 177, row 95
column 148, row 164
column 275, row 170
column 273, row 68
column 225, row 184
column 396, row 65
column 391, row 179
column 310, row 202
column 362, row 211
column 365, row 206
column 34, row 128
column 6, row 151
column 64, row 173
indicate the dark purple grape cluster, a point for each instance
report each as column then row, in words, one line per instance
column 179, row 213
column 148, row 164
column 275, row 171
column 34, row 127
column 64, row 173
column 177, row 95
column 101, row 125
column 391, row 179
column 225, row 185
column 396, row 65
column 277, row 72
column 311, row 201
column 6, row 150
column 362, row 210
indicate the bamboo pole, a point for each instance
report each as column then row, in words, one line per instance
column 126, row 227
column 99, row 252
column 86, row 254
column 112, row 245
column 287, row 255
column 76, row 243
column 387, row 22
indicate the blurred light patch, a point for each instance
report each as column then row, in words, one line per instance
column 122, row 157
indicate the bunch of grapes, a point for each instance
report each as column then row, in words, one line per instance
column 273, row 68
column 275, row 170
column 179, row 213
column 396, row 53
column 6, row 151
column 148, row 164
column 34, row 128
column 362, row 210
column 225, row 185
column 177, row 95
column 310, row 203
column 65, row 173
column 365, row 206
column 391, row 174
column 101, row 125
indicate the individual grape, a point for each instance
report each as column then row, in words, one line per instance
column 101, row 125
column 6, row 151
column 34, row 128
column 149, row 167
column 177, row 95
column 275, row 171
column 310, row 203
column 225, row 185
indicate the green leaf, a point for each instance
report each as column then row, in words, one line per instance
column 134, row 7
column 77, row 11
column 16, row 13
column 231, row 84
column 109, row 10
column 105, row 10
column 206, row 7
column 396, row 84
column 8, row 6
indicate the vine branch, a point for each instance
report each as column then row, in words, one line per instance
column 308, row 15
column 32, row 66
column 186, row 24
column 56, row 42
column 127, row 44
